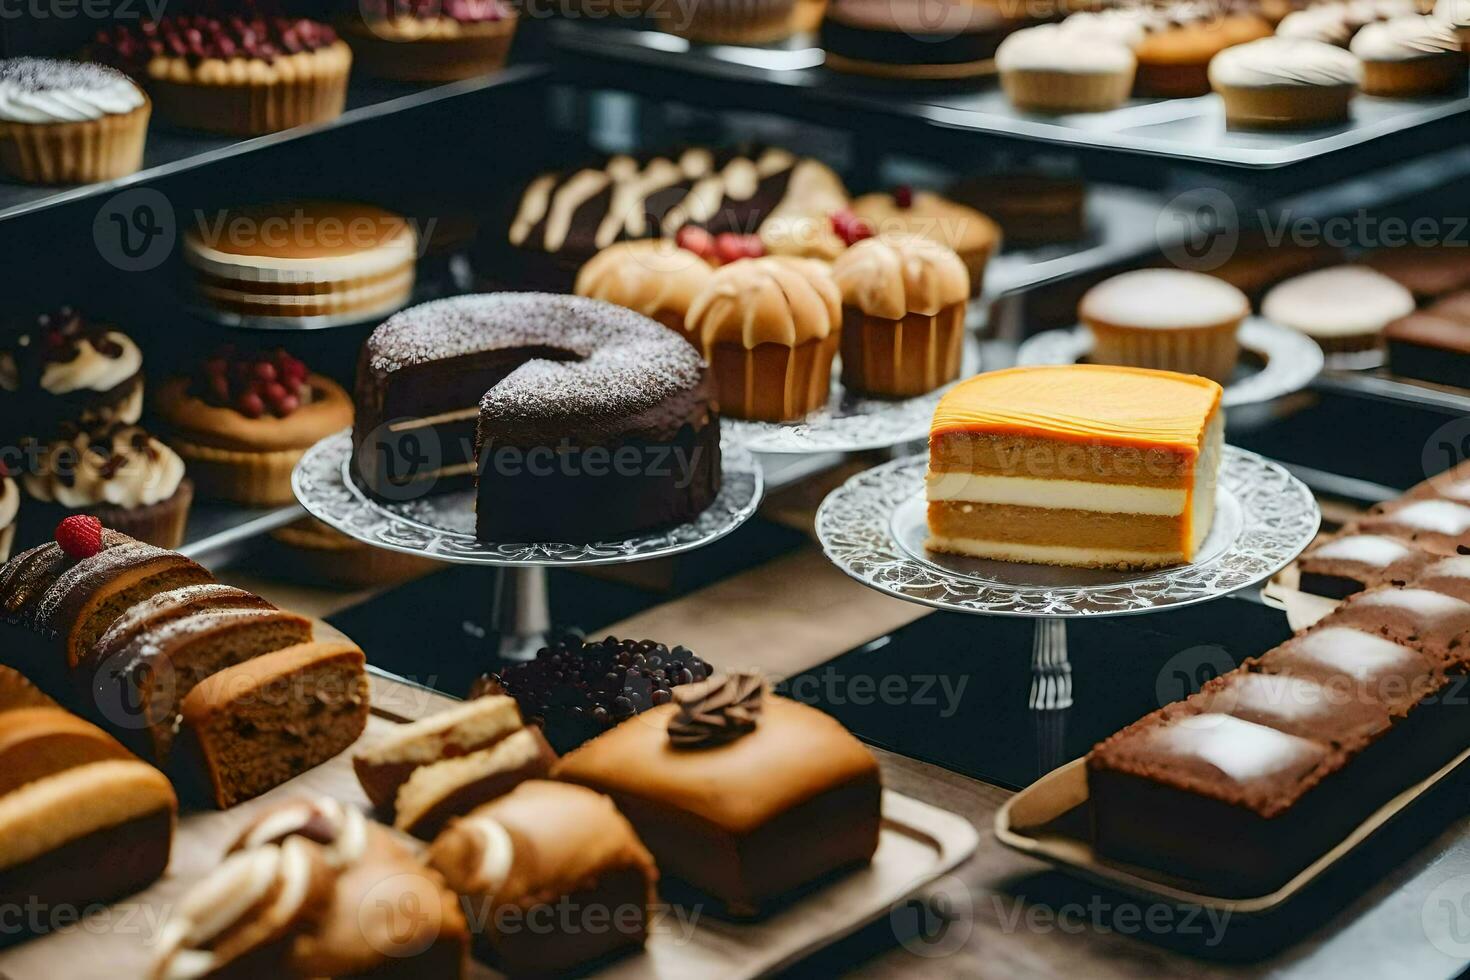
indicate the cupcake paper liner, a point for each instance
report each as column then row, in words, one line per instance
column 773, row 383
column 1285, row 106
column 1416, row 76
column 75, row 152
column 1211, row 352
column 1062, row 91
column 901, row 358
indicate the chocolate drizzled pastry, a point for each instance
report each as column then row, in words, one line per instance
column 718, row 710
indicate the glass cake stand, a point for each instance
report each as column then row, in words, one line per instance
column 442, row 527
column 1280, row 361
column 874, row 527
column 851, row 423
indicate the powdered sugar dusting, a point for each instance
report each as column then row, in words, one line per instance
column 620, row 361
column 49, row 75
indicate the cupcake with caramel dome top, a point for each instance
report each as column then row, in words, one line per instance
column 769, row 328
column 656, row 278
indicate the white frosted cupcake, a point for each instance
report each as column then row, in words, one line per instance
column 1126, row 25
column 1343, row 309
column 67, row 122
column 1167, row 319
column 9, row 508
column 1283, row 83
column 1410, row 56
column 1054, row 69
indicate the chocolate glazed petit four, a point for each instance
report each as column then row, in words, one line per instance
column 713, row 787
column 577, row 420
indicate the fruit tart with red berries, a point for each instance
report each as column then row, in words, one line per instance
column 245, row 418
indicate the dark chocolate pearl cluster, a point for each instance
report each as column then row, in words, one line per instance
column 197, row 37
column 593, row 686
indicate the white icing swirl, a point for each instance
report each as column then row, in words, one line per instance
column 117, row 472
column 91, row 369
column 9, row 502
column 497, row 853
column 1126, row 25
column 346, row 826
column 1053, row 48
column 1274, row 61
column 1456, row 13
column 1328, row 24
column 1404, row 39
column 38, row 91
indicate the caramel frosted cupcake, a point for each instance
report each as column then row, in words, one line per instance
column 972, row 235
column 903, row 315
column 122, row 476
column 241, row 75
column 657, row 278
column 1344, row 309
column 1410, row 56
column 243, row 422
column 63, row 368
column 1284, row 83
column 769, row 329
column 727, row 21
column 1052, row 69
column 65, row 122
column 430, row 40
column 1167, row 319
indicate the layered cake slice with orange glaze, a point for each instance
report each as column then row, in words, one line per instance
column 1081, row 465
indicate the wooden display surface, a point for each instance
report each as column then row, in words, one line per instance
column 918, row 844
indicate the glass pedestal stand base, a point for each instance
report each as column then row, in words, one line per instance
column 442, row 527
column 874, row 528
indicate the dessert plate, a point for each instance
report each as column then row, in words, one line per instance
column 442, row 527
column 873, row 528
column 851, row 423
column 1277, row 361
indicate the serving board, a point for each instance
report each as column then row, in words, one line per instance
column 1049, row 820
column 918, row 844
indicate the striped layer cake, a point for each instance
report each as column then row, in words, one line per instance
column 1080, row 465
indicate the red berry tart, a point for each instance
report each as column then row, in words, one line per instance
column 430, row 40
column 244, row 419
column 245, row 74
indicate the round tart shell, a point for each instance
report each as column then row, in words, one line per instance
column 243, row 460
column 82, row 152
column 255, row 97
column 736, row 21
column 429, row 55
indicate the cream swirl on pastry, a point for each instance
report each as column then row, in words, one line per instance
column 1277, row 61
column 1327, row 23
column 1404, row 39
column 1053, row 48
column 9, row 501
column 1456, row 13
column 125, row 467
column 91, row 369
column 41, row 90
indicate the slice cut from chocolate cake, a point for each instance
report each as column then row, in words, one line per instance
column 1448, row 575
column 436, row 793
column 1433, row 622
column 580, row 420
column 155, row 611
column 91, row 834
column 251, row 727
column 88, row 597
column 1438, row 526
column 140, row 688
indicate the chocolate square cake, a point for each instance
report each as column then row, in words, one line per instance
column 1355, row 562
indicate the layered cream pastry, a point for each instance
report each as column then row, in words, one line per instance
column 303, row 259
column 1083, row 465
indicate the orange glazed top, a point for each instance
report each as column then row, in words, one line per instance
column 1083, row 403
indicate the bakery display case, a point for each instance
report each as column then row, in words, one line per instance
column 959, row 519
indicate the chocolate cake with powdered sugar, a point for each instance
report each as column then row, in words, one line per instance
column 575, row 419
